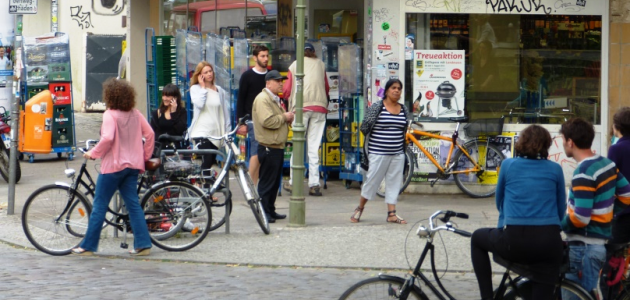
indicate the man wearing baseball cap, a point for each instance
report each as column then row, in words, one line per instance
column 271, row 124
column 315, row 109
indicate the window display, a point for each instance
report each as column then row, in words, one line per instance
column 529, row 68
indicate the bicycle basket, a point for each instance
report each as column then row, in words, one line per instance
column 485, row 127
column 182, row 168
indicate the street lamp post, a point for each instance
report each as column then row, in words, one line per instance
column 297, row 205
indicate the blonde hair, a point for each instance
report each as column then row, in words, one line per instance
column 195, row 77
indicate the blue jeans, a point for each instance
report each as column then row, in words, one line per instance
column 126, row 182
column 586, row 260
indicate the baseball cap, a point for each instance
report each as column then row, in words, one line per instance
column 274, row 75
column 309, row 46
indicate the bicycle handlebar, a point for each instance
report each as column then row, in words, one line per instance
column 240, row 122
column 446, row 216
column 88, row 144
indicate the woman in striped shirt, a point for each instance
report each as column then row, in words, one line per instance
column 384, row 128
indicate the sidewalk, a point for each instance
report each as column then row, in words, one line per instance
column 329, row 239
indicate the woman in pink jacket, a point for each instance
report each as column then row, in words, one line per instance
column 122, row 155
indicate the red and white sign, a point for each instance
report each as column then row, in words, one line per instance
column 384, row 47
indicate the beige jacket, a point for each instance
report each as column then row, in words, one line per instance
column 314, row 84
column 270, row 126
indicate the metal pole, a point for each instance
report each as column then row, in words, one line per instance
column 14, row 114
column 297, row 205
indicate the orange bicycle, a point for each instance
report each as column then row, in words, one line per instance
column 474, row 165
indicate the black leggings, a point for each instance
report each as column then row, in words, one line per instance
column 539, row 245
column 208, row 159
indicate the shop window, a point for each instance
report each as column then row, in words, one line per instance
column 529, row 68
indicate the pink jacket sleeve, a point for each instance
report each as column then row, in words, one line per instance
column 108, row 131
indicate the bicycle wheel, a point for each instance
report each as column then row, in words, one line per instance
column 41, row 210
column 568, row 290
column 221, row 207
column 482, row 183
column 251, row 195
column 407, row 173
column 380, row 288
column 178, row 215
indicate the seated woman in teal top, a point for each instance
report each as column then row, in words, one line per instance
column 531, row 199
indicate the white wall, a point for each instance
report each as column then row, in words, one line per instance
column 76, row 18
column 139, row 18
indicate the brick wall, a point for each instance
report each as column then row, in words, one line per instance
column 619, row 63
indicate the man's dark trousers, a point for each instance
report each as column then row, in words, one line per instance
column 271, row 161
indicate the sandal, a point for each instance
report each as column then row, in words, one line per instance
column 398, row 220
column 81, row 252
column 356, row 216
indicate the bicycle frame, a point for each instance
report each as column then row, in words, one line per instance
column 410, row 136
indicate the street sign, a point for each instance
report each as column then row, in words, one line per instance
column 19, row 7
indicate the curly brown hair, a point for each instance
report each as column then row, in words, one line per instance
column 119, row 94
column 533, row 141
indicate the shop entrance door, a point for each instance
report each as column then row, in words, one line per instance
column 101, row 62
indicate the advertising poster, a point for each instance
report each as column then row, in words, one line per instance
column 438, row 84
column 6, row 49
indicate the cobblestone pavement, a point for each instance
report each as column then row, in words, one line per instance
column 29, row 274
column 318, row 261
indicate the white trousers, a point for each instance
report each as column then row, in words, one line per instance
column 388, row 167
column 314, row 124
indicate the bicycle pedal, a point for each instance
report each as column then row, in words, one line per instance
column 433, row 182
column 124, row 245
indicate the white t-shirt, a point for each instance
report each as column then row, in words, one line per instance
column 211, row 118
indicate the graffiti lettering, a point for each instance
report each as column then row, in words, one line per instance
column 84, row 19
column 419, row 4
column 513, row 6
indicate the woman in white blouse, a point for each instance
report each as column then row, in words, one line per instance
column 211, row 111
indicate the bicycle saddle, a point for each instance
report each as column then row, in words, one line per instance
column 536, row 272
column 458, row 119
column 152, row 164
column 170, row 138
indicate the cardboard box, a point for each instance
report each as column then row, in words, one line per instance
column 330, row 154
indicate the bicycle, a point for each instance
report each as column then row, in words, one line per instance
column 55, row 217
column 615, row 280
column 474, row 165
column 236, row 164
column 393, row 287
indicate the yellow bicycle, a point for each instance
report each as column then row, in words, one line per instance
column 474, row 164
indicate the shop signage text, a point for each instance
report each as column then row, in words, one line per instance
column 434, row 55
column 18, row 7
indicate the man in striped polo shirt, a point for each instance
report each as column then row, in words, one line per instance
column 598, row 191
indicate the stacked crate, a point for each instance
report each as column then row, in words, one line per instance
column 163, row 70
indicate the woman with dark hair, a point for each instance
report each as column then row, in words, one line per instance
column 122, row 155
column 211, row 111
column 170, row 117
column 531, row 199
column 384, row 128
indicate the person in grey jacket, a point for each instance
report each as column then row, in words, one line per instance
column 384, row 127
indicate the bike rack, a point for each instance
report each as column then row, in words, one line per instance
column 226, row 180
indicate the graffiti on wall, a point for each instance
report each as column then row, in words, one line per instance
column 84, row 19
column 108, row 7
